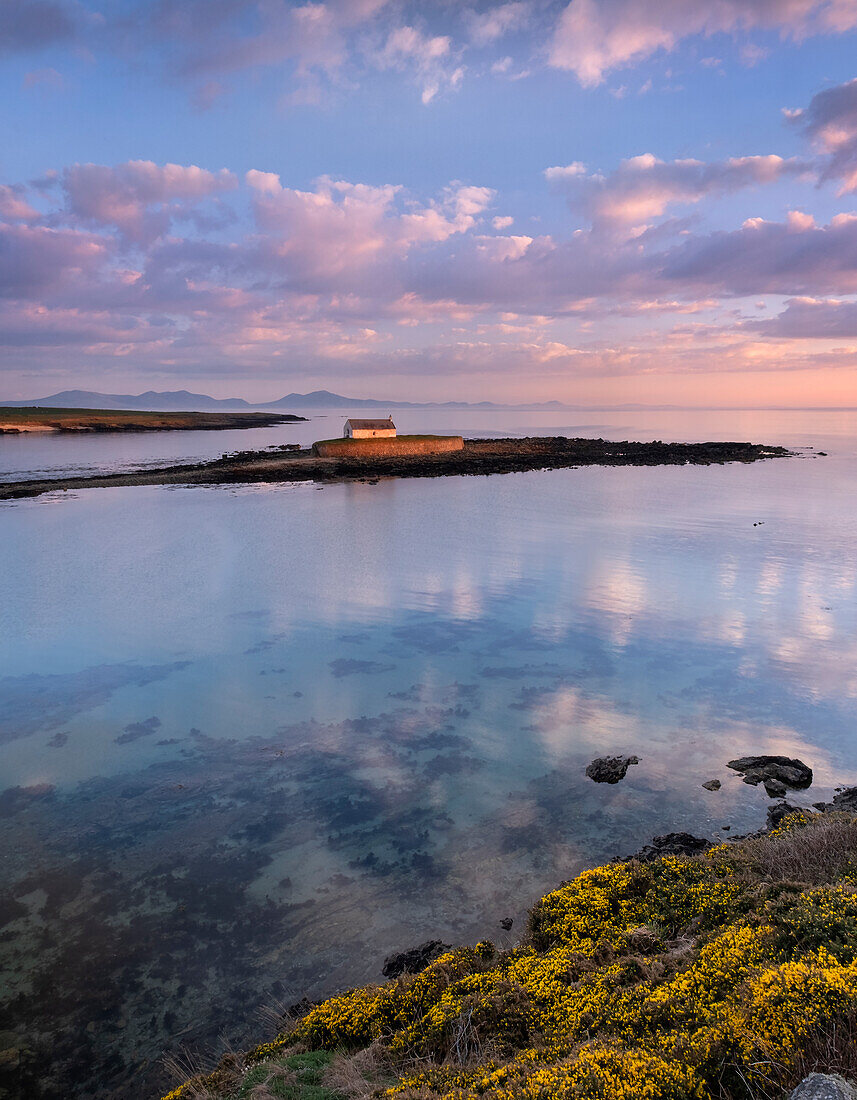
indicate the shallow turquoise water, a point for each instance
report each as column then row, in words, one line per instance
column 253, row 739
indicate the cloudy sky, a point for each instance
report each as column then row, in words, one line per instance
column 594, row 201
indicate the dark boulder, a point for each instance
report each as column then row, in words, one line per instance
column 843, row 802
column 781, row 810
column 299, row 1009
column 672, row 844
column 846, row 800
column 414, row 960
column 776, row 772
column 712, row 785
column 610, row 769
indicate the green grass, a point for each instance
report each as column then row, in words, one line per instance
column 301, row 1078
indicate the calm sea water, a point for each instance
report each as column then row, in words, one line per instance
column 256, row 738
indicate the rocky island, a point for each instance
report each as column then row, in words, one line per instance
column 473, row 456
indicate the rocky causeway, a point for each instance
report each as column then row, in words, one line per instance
column 478, row 456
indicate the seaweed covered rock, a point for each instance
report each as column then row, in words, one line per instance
column 610, row 769
column 672, row 844
column 414, row 959
column 844, row 802
column 780, row 772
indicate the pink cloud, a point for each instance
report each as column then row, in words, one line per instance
column 812, row 319
column 212, row 39
column 341, row 228
column 593, row 37
column 770, row 257
column 25, row 325
column 13, row 207
column 372, row 275
column 643, row 187
column 487, row 26
column 830, row 121
column 139, row 197
column 430, row 57
column 37, row 262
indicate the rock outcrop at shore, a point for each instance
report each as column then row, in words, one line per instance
column 672, row 844
column 689, row 970
column 778, row 773
column 414, row 959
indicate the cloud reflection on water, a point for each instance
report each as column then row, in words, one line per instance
column 379, row 706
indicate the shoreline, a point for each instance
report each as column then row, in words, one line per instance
column 478, row 457
column 699, row 925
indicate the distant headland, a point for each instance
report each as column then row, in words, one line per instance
column 23, row 419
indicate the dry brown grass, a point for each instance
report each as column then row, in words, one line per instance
column 831, row 1049
column 183, row 1065
column 359, row 1076
column 200, row 1081
column 280, row 1018
column 817, row 855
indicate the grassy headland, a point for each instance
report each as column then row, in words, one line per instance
column 727, row 975
column 33, row 419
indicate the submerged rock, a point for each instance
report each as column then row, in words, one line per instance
column 672, row 844
column 776, row 772
column 414, row 959
column 824, row 1086
column 610, row 769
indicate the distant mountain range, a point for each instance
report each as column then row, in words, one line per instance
column 184, row 401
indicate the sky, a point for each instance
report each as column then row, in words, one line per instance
column 595, row 202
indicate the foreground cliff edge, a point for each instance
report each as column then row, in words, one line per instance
column 473, row 456
column 727, row 974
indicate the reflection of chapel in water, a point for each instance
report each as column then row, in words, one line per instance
column 369, row 429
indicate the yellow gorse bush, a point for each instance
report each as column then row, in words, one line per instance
column 657, row 981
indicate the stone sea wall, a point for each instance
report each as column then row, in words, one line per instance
column 402, row 445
